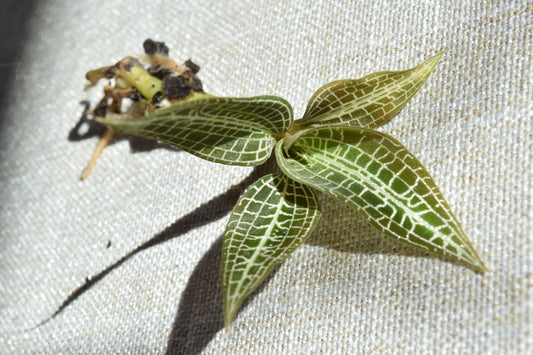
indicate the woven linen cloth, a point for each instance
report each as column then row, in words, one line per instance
column 134, row 250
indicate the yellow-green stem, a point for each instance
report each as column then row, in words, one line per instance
column 140, row 79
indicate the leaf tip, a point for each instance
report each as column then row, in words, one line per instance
column 432, row 61
column 117, row 125
column 105, row 121
column 479, row 267
column 473, row 261
column 230, row 309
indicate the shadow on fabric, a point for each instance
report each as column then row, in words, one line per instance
column 87, row 128
column 200, row 312
column 206, row 213
column 15, row 29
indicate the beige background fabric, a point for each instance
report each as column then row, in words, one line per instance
column 143, row 232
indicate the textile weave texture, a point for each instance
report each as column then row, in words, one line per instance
column 144, row 232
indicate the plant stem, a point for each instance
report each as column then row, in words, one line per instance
column 140, row 79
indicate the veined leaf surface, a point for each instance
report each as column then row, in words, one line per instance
column 369, row 101
column 272, row 218
column 235, row 131
column 377, row 176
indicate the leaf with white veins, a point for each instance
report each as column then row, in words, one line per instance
column 235, row 131
column 273, row 217
column 377, row 176
column 369, row 101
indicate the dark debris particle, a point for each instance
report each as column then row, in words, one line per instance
column 152, row 47
column 135, row 95
column 175, row 87
column 159, row 71
column 195, row 84
column 101, row 109
column 156, row 99
column 195, row 68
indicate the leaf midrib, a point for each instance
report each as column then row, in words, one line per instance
column 415, row 217
column 262, row 242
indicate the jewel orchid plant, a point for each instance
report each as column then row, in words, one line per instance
column 334, row 148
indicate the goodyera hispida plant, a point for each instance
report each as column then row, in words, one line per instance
column 334, row 148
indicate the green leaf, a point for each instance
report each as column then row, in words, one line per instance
column 272, row 218
column 235, row 131
column 366, row 102
column 377, row 176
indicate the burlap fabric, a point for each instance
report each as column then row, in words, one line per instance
column 143, row 232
